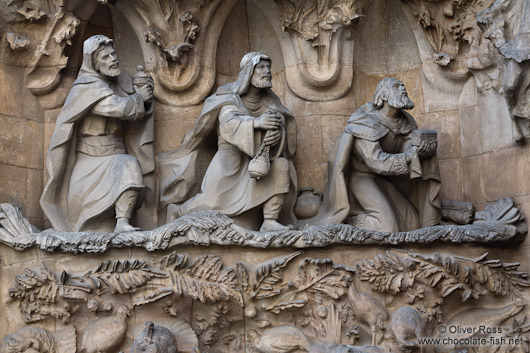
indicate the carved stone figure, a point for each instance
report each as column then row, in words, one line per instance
column 407, row 326
column 101, row 148
column 29, row 340
column 281, row 339
column 155, row 339
column 105, row 334
column 253, row 166
column 368, row 310
column 383, row 174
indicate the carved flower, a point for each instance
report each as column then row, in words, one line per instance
column 431, row 312
column 192, row 31
column 415, row 292
column 186, row 17
column 425, row 19
column 152, row 35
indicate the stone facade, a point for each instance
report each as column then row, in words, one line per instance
column 453, row 57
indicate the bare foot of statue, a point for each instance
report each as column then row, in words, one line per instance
column 122, row 226
column 272, row 224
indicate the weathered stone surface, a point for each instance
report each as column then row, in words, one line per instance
column 470, row 131
column 465, row 64
column 20, row 141
column 448, row 125
column 309, row 140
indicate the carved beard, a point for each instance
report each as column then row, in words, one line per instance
column 261, row 82
column 109, row 71
column 400, row 101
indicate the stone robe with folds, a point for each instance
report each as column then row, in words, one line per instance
column 227, row 186
column 101, row 147
column 371, row 185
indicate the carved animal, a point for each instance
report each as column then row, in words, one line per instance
column 281, row 339
column 368, row 310
column 105, row 334
column 407, row 325
column 155, row 339
column 29, row 339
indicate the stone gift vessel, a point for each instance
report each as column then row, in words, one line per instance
column 283, row 176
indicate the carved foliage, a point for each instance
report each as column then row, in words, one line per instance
column 320, row 297
column 120, row 276
column 39, row 32
column 470, row 277
column 447, row 24
column 182, row 35
column 316, row 21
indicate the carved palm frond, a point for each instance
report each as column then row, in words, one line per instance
column 471, row 277
column 121, row 276
column 206, row 280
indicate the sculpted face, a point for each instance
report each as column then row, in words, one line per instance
column 398, row 97
column 106, row 62
column 261, row 77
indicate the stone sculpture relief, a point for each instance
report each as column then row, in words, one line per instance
column 38, row 34
column 496, row 32
column 316, row 39
column 253, row 168
column 169, row 302
column 102, row 146
column 179, row 35
column 499, row 222
column 32, row 339
column 155, row 339
column 448, row 25
column 383, row 174
column 287, row 304
column 510, row 55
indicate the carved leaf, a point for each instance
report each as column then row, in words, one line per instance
column 34, row 292
column 269, row 275
column 388, row 273
column 323, row 278
column 472, row 276
column 153, row 297
column 122, row 276
column 14, row 228
column 503, row 211
column 174, row 259
column 243, row 275
column 206, row 281
column 500, row 278
column 33, row 287
column 278, row 307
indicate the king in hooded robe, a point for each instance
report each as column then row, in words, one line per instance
column 246, row 115
column 102, row 147
column 383, row 173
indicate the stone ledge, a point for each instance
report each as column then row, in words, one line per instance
column 499, row 222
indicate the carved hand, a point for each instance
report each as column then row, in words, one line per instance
column 268, row 121
column 272, row 137
column 145, row 91
column 427, row 149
